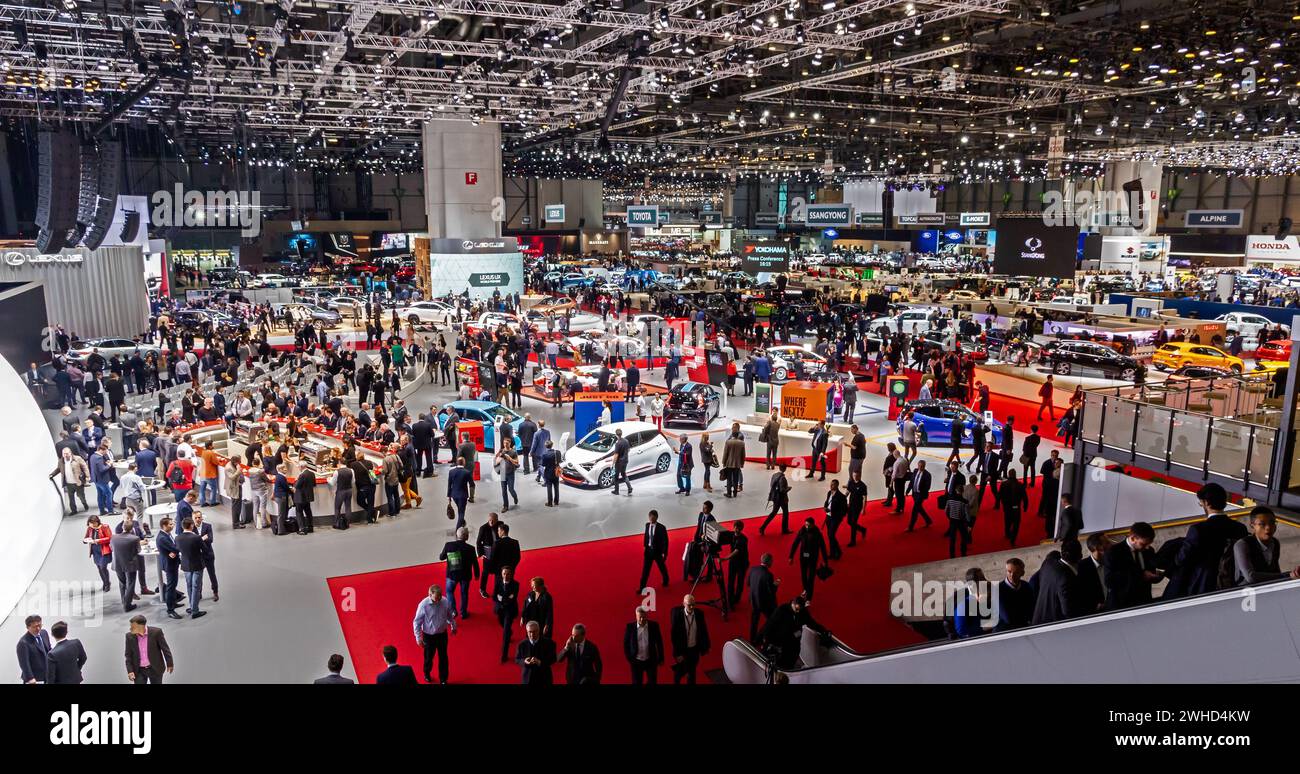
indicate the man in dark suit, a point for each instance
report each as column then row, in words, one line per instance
column 654, row 550
column 1130, row 568
column 483, row 545
column 459, row 481
column 535, row 655
column 1197, row 565
column 148, row 656
column 762, row 593
column 335, row 665
column 1058, row 585
column 506, row 552
column 690, row 636
column 919, row 487
column 395, row 673
column 505, row 603
column 422, row 439
column 737, row 564
column 126, row 564
column 1092, row 591
column 65, row 659
column 990, row 470
column 643, row 647
column 204, row 530
column 33, row 650
column 190, row 547
column 169, row 565
column 581, row 657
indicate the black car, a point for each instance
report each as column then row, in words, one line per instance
column 1089, row 357
column 692, row 403
column 1201, row 372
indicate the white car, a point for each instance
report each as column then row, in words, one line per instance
column 962, row 295
column 494, row 320
column 638, row 324
column 791, row 360
column 1245, row 324
column 1066, row 301
column 344, row 303
column 591, row 461
column 816, row 259
column 609, row 288
column 578, row 321
column 427, row 313
column 604, row 346
column 588, row 378
column 123, row 348
column 904, row 320
column 271, row 281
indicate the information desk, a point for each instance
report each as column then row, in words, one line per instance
column 317, row 450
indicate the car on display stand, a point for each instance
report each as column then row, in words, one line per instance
column 934, row 418
column 906, row 321
column 576, row 279
column 427, row 313
column 193, row 320
column 273, row 281
column 1245, row 324
column 1278, row 350
column 591, row 461
column 488, row 412
column 578, row 321
column 609, row 288
column 492, row 321
column 792, row 361
column 588, row 377
column 1177, row 354
column 639, row 324
column 603, row 346
column 692, row 403
column 302, row 313
column 78, row 351
column 344, row 304
column 961, row 295
column 557, row 305
column 1069, row 357
column 1200, row 372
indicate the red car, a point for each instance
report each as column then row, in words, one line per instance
column 405, row 273
column 1278, row 349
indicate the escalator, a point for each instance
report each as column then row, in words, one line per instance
column 1249, row 635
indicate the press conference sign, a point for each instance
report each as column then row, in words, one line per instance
column 765, row 256
column 496, row 279
column 820, row 215
column 1215, row 218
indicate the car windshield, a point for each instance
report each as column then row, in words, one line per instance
column 597, row 441
column 501, row 411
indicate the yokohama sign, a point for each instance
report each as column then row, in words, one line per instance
column 1265, row 247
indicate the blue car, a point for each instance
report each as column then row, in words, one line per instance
column 484, row 411
column 934, row 421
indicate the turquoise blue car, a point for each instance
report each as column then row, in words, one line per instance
column 484, row 411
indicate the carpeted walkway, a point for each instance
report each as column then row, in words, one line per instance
column 594, row 583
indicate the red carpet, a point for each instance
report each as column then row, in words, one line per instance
column 593, row 583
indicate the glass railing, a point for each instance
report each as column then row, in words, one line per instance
column 1177, row 438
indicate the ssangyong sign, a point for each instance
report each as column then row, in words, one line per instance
column 1266, row 247
column 819, row 215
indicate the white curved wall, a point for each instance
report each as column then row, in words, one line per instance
column 32, row 507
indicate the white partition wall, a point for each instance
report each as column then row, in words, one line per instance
column 1113, row 500
column 33, row 507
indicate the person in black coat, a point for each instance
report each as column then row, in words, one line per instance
column 690, row 638
column 1091, row 591
column 654, row 544
column 643, row 647
column 781, row 637
column 1197, row 565
column 762, row 593
column 535, row 655
column 1013, row 499
column 737, row 563
column 483, row 544
column 857, row 494
column 1130, row 568
column 1016, row 598
column 836, row 507
column 539, row 607
column 190, row 547
column 462, row 569
column 1057, row 585
column 33, row 651
column 811, row 548
column 505, row 603
column 506, row 551
column 395, row 673
column 919, row 487
column 581, row 657
column 422, row 440
column 65, row 659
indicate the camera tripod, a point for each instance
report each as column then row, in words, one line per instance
column 713, row 567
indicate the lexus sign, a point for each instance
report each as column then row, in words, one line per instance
column 19, row 258
column 495, row 279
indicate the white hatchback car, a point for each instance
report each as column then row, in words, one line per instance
column 591, row 461
column 427, row 313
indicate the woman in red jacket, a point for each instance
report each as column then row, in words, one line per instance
column 97, row 537
column 731, row 376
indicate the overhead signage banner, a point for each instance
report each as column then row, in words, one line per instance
column 643, row 216
column 974, row 219
column 474, row 246
column 712, row 218
column 923, row 219
column 871, row 219
column 663, row 217
column 1215, row 218
column 767, row 219
column 554, row 213
column 820, row 215
column 495, row 279
column 765, row 255
column 1266, row 247
column 1028, row 247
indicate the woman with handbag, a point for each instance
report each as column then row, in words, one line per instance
column 98, row 537
column 709, row 459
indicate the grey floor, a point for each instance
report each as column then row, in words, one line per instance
column 276, row 623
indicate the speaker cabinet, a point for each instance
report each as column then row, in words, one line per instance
column 56, row 200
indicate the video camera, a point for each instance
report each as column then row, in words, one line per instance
column 715, row 537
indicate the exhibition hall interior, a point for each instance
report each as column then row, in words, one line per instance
column 650, row 341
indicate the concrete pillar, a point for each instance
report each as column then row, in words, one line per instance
column 462, row 179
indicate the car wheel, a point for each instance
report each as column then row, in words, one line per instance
column 1236, row 369
column 1128, row 374
column 606, row 479
column 664, row 461
column 1062, row 368
column 780, row 374
column 1161, row 366
column 413, row 319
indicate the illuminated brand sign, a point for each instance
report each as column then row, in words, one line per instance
column 643, row 216
column 489, row 279
column 829, row 215
column 16, row 258
column 1214, row 218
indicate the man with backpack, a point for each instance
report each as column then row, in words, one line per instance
column 180, row 475
column 1207, row 547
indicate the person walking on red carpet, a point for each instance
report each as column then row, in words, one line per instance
column 690, row 638
column 811, row 548
column 505, row 600
column 654, row 551
column 643, row 647
column 435, row 618
column 1045, row 399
